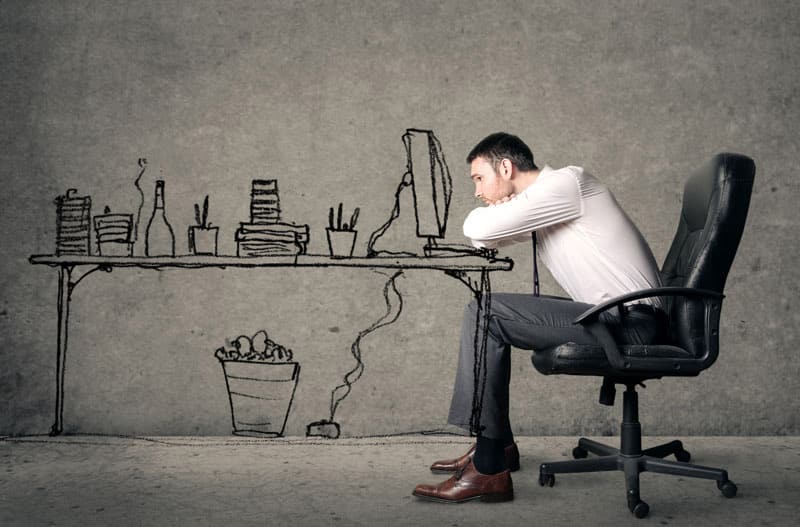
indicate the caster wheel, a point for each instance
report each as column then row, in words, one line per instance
column 683, row 456
column 579, row 453
column 641, row 509
column 728, row 488
column 547, row 480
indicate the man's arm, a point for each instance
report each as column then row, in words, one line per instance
column 547, row 202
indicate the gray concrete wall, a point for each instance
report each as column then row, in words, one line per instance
column 317, row 95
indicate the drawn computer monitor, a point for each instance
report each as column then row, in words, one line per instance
column 431, row 184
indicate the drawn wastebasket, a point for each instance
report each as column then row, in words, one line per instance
column 260, row 395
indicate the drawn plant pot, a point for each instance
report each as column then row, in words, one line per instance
column 203, row 240
column 340, row 242
column 260, row 395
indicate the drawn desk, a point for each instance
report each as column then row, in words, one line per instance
column 472, row 271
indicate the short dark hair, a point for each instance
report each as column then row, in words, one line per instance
column 498, row 146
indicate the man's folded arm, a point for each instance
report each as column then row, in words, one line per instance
column 513, row 221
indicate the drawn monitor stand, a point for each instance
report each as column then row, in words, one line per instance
column 261, row 379
column 428, row 177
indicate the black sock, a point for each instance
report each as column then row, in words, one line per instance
column 506, row 434
column 489, row 455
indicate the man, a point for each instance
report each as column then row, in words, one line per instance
column 591, row 248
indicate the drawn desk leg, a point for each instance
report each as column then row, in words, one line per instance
column 64, row 273
column 483, row 296
column 482, row 290
column 65, row 287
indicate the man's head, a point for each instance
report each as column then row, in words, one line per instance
column 495, row 164
column 498, row 146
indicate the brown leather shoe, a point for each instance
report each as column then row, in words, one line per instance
column 453, row 465
column 469, row 484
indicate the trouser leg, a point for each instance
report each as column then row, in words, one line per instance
column 497, row 371
column 522, row 321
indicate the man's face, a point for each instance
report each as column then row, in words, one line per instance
column 489, row 185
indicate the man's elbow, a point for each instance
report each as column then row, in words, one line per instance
column 474, row 229
column 475, row 233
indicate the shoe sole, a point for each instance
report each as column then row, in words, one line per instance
column 488, row 498
column 442, row 471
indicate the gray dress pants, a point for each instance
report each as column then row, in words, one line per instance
column 527, row 322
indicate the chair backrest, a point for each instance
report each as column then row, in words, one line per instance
column 715, row 203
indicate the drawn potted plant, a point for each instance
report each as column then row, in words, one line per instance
column 261, row 379
column 341, row 236
column 203, row 237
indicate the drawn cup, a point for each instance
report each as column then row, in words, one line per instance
column 340, row 242
column 113, row 233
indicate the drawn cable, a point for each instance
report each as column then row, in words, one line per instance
column 479, row 349
column 353, row 375
column 375, row 236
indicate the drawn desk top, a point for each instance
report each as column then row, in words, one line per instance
column 454, row 263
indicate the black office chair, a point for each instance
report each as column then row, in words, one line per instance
column 715, row 203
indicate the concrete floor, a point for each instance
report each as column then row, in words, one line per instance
column 151, row 481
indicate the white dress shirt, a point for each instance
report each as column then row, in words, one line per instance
column 588, row 243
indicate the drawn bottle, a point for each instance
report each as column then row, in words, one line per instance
column 160, row 239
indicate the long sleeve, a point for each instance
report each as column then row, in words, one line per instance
column 553, row 198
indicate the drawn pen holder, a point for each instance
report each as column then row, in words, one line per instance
column 341, row 242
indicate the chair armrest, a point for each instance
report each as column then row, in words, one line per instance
column 591, row 314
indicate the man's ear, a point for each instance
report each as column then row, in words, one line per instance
column 505, row 169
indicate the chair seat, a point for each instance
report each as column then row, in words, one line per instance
column 578, row 359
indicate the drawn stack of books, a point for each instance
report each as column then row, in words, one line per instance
column 73, row 223
column 265, row 234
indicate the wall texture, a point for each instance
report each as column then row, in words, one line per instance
column 317, row 94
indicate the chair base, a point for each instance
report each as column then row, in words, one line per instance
column 632, row 460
